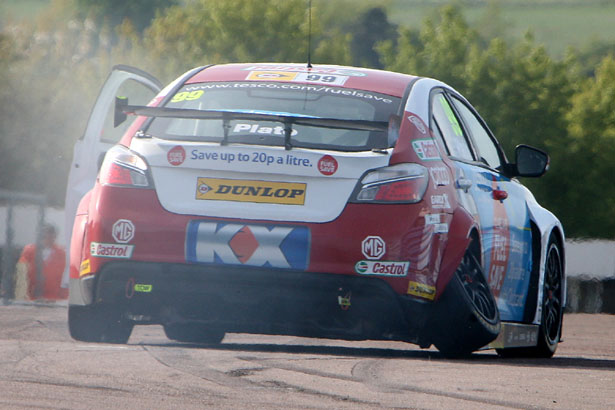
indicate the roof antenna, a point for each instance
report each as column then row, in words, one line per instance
column 309, row 56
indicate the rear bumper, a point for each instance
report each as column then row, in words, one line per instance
column 256, row 300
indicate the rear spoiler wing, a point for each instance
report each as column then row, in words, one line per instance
column 122, row 109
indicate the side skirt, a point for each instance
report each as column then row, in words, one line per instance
column 515, row 335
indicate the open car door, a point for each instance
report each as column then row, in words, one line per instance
column 100, row 135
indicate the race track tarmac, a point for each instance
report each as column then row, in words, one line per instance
column 42, row 367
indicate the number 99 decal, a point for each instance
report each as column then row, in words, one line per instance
column 321, row 78
column 187, row 96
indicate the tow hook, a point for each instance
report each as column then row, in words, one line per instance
column 344, row 301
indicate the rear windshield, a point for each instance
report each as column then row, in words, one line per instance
column 301, row 100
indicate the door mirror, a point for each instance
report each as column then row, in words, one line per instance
column 530, row 161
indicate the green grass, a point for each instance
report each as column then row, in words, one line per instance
column 21, row 9
column 556, row 23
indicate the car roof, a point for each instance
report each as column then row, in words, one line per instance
column 385, row 82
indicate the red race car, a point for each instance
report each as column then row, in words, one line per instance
column 323, row 201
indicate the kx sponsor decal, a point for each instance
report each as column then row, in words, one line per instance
column 254, row 245
column 421, row 290
column 111, row 250
column 383, row 268
column 268, row 192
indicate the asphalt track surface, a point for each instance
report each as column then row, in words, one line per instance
column 42, row 367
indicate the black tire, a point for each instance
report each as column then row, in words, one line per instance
column 550, row 329
column 98, row 324
column 466, row 316
column 193, row 333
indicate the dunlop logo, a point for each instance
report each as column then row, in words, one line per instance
column 268, row 192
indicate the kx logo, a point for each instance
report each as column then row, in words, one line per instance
column 254, row 245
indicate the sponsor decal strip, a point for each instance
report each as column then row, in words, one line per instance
column 329, row 79
column 421, row 290
column 426, row 149
column 177, row 156
column 382, row 268
column 143, row 288
column 439, row 176
column 440, row 202
column 326, row 165
column 85, row 268
column 111, row 250
column 286, row 85
column 219, row 189
column 303, row 69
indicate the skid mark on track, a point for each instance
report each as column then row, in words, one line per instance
column 64, row 384
column 179, row 360
column 369, row 372
column 299, row 389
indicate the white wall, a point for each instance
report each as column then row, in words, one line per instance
column 25, row 221
column 593, row 258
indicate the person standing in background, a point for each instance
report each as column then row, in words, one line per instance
column 53, row 261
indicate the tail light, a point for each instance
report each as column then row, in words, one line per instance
column 401, row 183
column 123, row 167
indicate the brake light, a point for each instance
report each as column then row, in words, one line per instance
column 122, row 167
column 401, row 183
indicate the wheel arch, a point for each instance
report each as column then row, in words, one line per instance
column 78, row 295
column 546, row 225
column 461, row 229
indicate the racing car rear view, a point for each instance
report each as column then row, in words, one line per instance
column 324, row 201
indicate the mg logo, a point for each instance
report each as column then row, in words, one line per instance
column 123, row 231
column 373, row 247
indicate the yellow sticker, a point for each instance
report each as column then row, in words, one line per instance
column 271, row 76
column 187, row 96
column 421, row 290
column 84, row 269
column 287, row 193
column 140, row 287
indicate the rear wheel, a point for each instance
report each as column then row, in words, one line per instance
column 550, row 328
column 466, row 316
column 193, row 333
column 98, row 324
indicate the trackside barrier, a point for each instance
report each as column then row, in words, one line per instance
column 591, row 295
column 590, row 267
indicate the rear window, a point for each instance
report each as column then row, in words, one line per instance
column 303, row 100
